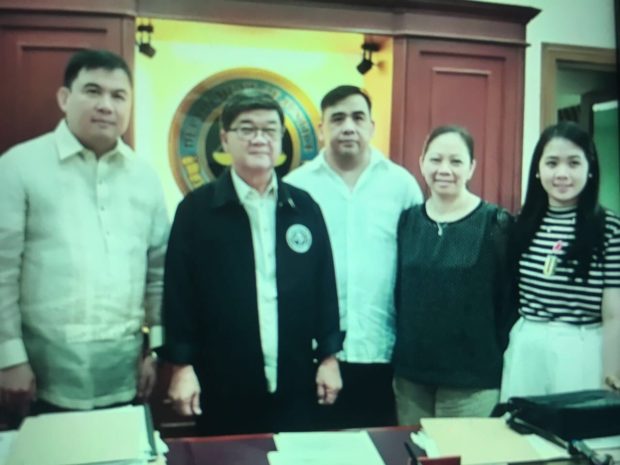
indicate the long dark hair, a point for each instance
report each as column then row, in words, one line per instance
column 590, row 221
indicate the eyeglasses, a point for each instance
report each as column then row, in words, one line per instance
column 250, row 132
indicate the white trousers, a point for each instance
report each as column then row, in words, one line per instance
column 549, row 357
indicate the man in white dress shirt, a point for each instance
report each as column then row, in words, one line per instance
column 83, row 233
column 361, row 194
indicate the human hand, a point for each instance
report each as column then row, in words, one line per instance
column 612, row 383
column 17, row 388
column 328, row 381
column 184, row 390
column 147, row 375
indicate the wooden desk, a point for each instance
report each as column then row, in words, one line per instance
column 252, row 449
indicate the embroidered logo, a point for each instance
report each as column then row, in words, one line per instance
column 299, row 238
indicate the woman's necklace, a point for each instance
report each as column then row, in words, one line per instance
column 440, row 227
column 442, row 219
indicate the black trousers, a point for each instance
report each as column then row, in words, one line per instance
column 259, row 413
column 366, row 399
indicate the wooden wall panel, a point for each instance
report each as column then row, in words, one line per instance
column 472, row 85
column 38, row 47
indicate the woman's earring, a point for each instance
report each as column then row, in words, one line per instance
column 590, row 175
column 537, row 176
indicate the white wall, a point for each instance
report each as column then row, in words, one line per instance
column 587, row 23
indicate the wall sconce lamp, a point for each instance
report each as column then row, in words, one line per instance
column 143, row 41
column 366, row 63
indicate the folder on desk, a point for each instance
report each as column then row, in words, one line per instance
column 480, row 441
column 115, row 436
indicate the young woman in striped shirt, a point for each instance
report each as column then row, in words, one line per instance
column 566, row 255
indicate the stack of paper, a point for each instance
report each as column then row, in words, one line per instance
column 6, row 443
column 481, row 441
column 609, row 445
column 118, row 436
column 324, row 448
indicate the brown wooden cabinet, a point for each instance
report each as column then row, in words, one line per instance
column 476, row 85
column 34, row 49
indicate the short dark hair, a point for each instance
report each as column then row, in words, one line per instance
column 248, row 100
column 93, row 59
column 589, row 225
column 451, row 128
column 340, row 93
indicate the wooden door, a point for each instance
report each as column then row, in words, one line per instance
column 479, row 86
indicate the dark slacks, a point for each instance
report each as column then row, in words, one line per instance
column 366, row 400
column 260, row 413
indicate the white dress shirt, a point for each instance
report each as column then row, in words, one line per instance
column 261, row 210
column 82, row 245
column 362, row 226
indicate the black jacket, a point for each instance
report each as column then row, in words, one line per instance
column 210, row 305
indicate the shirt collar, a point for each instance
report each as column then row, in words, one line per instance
column 68, row 145
column 376, row 159
column 246, row 192
column 225, row 193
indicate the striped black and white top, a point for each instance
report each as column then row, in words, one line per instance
column 554, row 296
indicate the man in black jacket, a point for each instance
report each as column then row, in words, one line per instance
column 250, row 303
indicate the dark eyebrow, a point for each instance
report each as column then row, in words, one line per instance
column 342, row 114
column 97, row 86
column 248, row 121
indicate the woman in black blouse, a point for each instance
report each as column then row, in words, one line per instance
column 452, row 316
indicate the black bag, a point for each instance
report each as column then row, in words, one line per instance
column 570, row 415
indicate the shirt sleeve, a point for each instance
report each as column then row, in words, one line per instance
column 413, row 193
column 328, row 335
column 611, row 261
column 13, row 216
column 505, row 285
column 158, row 241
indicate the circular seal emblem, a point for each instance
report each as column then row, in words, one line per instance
column 299, row 238
column 195, row 152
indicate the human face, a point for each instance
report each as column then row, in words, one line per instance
column 97, row 107
column 257, row 154
column 563, row 171
column 346, row 128
column 447, row 165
